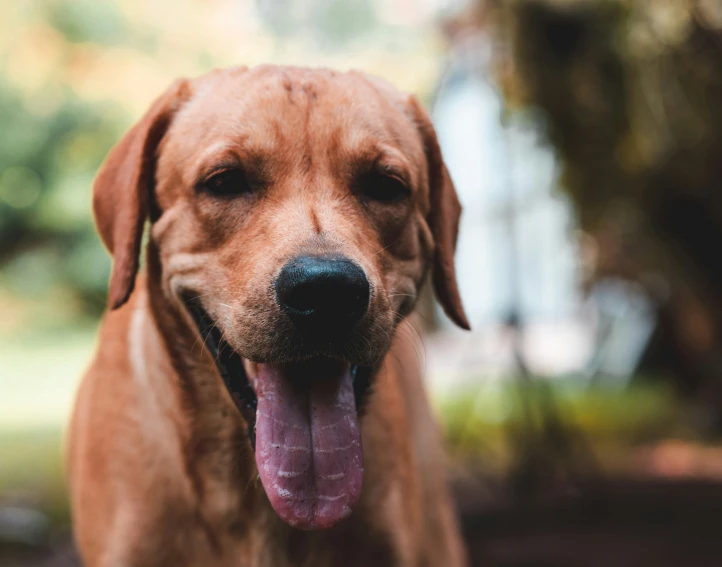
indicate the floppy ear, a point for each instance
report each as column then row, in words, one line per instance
column 123, row 191
column 443, row 219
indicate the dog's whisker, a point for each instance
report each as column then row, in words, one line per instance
column 387, row 246
column 415, row 341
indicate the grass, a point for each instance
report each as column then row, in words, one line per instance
column 39, row 373
column 38, row 376
column 483, row 421
column 32, row 471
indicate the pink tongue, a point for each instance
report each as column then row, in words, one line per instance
column 308, row 442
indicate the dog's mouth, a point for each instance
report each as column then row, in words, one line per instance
column 303, row 422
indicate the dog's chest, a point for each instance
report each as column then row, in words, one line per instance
column 263, row 541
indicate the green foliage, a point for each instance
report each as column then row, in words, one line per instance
column 334, row 22
column 87, row 21
column 482, row 423
column 47, row 165
column 33, row 465
column 51, row 144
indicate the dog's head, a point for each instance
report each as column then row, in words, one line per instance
column 295, row 214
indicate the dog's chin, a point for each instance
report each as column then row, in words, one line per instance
column 303, row 422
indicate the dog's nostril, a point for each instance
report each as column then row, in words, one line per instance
column 303, row 298
column 321, row 289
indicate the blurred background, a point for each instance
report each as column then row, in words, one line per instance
column 584, row 412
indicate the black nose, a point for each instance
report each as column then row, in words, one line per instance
column 317, row 290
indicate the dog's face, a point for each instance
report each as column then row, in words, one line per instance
column 293, row 204
column 296, row 214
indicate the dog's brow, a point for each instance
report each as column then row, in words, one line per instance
column 388, row 159
column 224, row 155
column 394, row 160
column 220, row 152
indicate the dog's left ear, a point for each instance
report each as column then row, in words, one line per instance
column 123, row 190
column 443, row 219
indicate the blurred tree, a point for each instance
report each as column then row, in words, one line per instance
column 52, row 143
column 630, row 91
column 331, row 21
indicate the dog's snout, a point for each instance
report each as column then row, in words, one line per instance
column 317, row 290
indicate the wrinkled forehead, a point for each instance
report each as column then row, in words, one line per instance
column 295, row 115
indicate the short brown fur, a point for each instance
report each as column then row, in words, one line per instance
column 161, row 468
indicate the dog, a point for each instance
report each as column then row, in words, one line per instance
column 256, row 395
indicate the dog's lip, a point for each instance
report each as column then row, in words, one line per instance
column 228, row 362
column 231, row 366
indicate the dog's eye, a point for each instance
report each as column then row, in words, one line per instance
column 228, row 183
column 383, row 188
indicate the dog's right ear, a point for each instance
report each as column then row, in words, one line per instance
column 123, row 190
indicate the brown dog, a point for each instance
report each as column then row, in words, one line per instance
column 257, row 400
